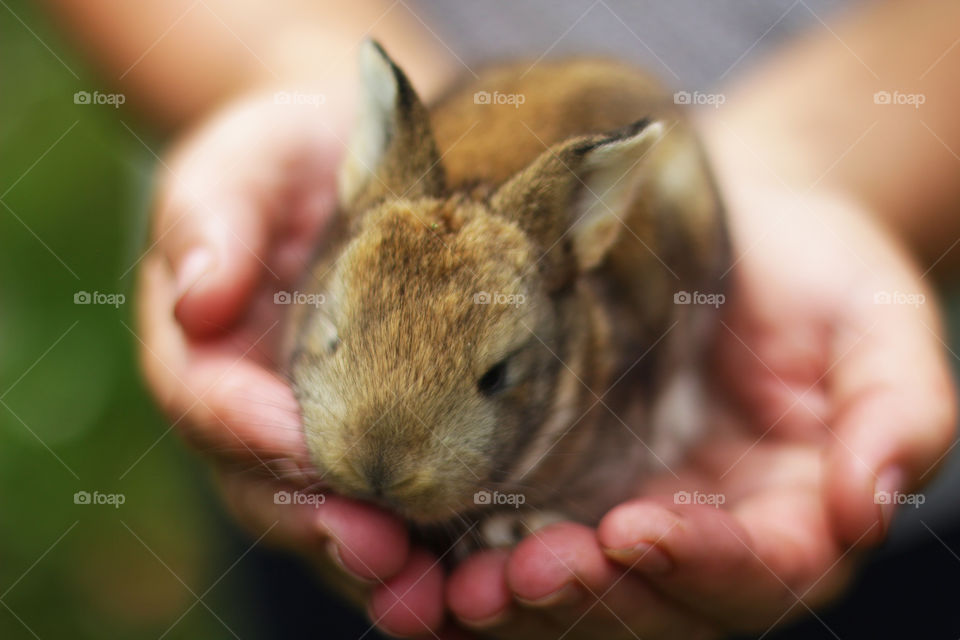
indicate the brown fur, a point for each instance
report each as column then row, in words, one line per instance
column 469, row 199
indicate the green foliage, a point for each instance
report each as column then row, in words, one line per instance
column 74, row 415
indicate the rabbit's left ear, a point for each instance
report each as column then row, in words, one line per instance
column 579, row 192
column 392, row 152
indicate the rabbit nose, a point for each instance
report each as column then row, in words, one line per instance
column 376, row 475
column 378, row 479
column 386, row 485
column 394, row 487
column 383, row 480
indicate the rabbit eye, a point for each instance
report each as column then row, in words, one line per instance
column 333, row 344
column 494, row 380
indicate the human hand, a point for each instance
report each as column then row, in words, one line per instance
column 816, row 370
column 239, row 209
column 829, row 398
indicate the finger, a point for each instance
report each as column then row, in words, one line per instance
column 557, row 563
column 366, row 543
column 246, row 179
column 775, row 381
column 896, row 417
column 410, row 603
column 478, row 596
column 285, row 525
column 223, row 403
column 240, row 412
column 476, row 591
column 744, row 568
column 562, row 571
column 213, row 233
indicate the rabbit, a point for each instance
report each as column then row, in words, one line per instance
column 512, row 329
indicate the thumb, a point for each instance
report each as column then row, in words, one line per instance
column 896, row 423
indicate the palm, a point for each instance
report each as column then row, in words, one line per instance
column 253, row 186
column 232, row 325
column 800, row 304
column 795, row 361
column 822, row 390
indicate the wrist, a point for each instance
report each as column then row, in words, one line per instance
column 757, row 158
column 763, row 197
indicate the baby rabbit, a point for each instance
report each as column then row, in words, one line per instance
column 507, row 336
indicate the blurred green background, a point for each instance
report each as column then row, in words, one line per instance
column 74, row 415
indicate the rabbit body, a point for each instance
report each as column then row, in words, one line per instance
column 513, row 328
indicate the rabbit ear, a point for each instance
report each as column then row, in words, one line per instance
column 392, row 151
column 576, row 195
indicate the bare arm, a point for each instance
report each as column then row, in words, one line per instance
column 178, row 59
column 810, row 119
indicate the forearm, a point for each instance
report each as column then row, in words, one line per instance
column 808, row 119
column 177, row 59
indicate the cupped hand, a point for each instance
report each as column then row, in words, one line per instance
column 832, row 395
column 826, row 396
column 240, row 205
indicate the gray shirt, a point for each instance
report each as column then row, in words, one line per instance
column 691, row 44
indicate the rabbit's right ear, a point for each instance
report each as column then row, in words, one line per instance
column 392, row 152
column 574, row 197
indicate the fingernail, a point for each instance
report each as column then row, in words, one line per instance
column 333, row 550
column 645, row 557
column 480, row 624
column 567, row 594
column 379, row 623
column 889, row 484
column 197, row 263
